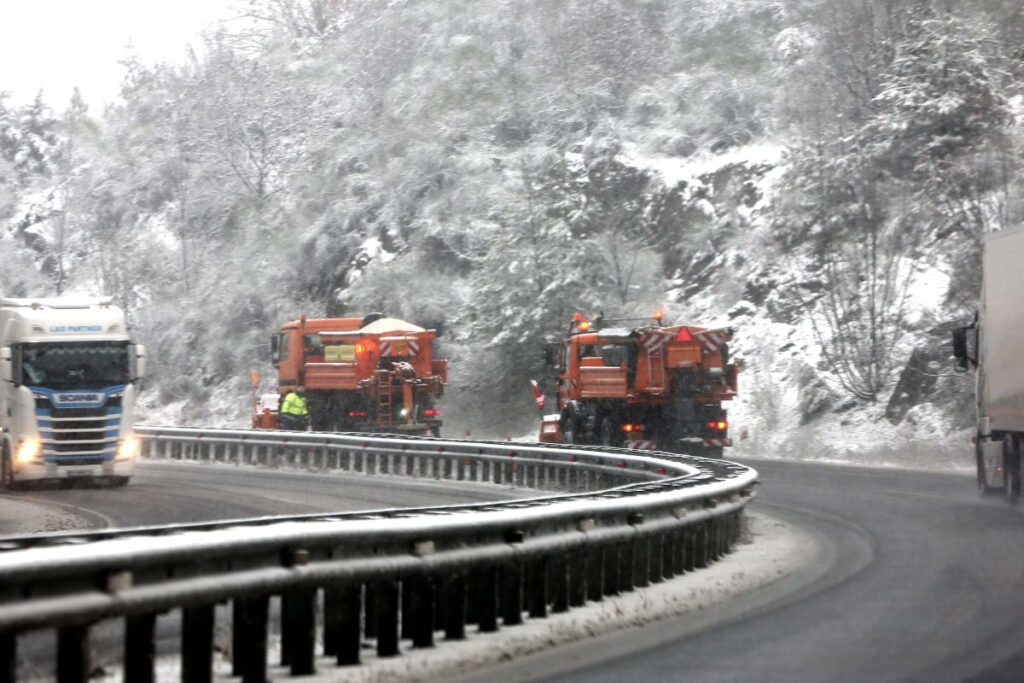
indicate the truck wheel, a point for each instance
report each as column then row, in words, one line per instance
column 607, row 432
column 713, row 452
column 568, row 428
column 1011, row 470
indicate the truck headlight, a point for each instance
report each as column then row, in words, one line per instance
column 128, row 448
column 28, row 450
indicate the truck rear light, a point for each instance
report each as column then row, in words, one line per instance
column 720, row 425
column 632, row 428
column 357, row 413
column 432, row 412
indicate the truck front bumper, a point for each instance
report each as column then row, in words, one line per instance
column 38, row 471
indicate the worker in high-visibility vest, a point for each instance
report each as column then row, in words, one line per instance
column 294, row 413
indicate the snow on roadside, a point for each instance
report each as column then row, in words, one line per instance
column 770, row 551
column 19, row 517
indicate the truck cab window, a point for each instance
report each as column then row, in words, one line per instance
column 278, row 348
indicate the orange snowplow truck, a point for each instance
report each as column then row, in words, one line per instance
column 645, row 386
column 371, row 374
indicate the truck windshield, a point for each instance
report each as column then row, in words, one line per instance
column 75, row 365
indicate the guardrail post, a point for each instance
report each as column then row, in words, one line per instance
column 370, row 606
column 641, row 549
column 487, row 602
column 595, row 573
column 197, row 644
column 511, row 594
column 420, row 590
column 248, row 639
column 626, row 565
column 537, row 588
column 73, row 654
column 700, row 540
column 473, row 596
column 654, row 556
column 559, row 576
column 711, row 541
column 139, row 647
column 344, row 612
column 455, row 606
column 386, row 608
column 8, row 657
column 668, row 555
column 678, row 552
column 332, row 609
column 689, row 545
column 298, row 631
column 610, row 558
column 576, row 568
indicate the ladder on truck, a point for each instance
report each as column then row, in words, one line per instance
column 656, row 369
column 385, row 413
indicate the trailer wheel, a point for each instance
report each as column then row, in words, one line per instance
column 1011, row 469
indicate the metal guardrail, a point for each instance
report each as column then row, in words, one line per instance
column 615, row 520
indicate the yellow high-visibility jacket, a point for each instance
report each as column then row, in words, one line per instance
column 294, row 405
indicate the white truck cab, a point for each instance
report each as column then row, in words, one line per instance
column 68, row 378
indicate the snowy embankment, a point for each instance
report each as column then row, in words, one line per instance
column 791, row 403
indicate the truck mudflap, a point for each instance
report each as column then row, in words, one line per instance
column 992, row 463
column 710, row 443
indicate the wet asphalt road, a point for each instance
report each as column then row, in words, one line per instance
column 919, row 579
column 169, row 493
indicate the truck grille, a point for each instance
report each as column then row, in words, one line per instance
column 79, row 436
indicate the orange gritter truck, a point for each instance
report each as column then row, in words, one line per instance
column 635, row 383
column 370, row 374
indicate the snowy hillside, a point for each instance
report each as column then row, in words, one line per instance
column 817, row 175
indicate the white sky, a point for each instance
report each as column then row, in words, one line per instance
column 58, row 44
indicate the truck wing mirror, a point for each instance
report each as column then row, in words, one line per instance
column 275, row 350
column 6, row 367
column 960, row 349
column 140, row 362
column 550, row 354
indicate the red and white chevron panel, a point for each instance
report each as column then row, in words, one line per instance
column 399, row 347
column 717, row 442
column 655, row 340
column 712, row 339
column 642, row 445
